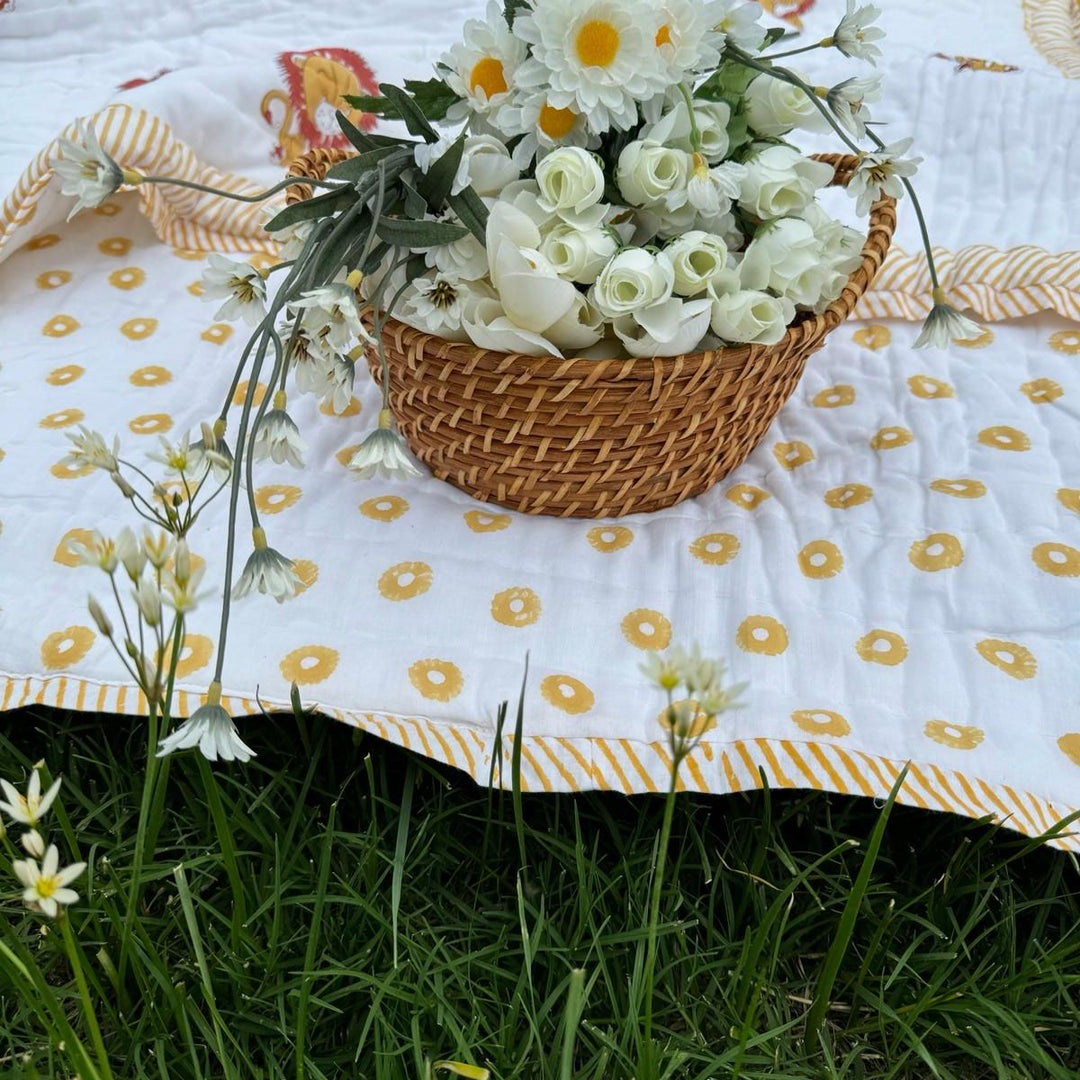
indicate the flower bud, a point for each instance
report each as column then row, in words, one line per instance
column 33, row 843
column 125, row 488
column 97, row 613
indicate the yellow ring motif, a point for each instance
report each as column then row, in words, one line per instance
column 567, row 694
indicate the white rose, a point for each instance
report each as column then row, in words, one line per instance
column 697, row 258
column 750, row 317
column 633, row 279
column 673, row 129
column 570, row 182
column 578, row 254
column 530, row 291
column 649, row 174
column 773, row 107
column 486, row 164
column 786, row 257
column 780, row 181
column 581, row 327
column 670, row 328
column 842, row 246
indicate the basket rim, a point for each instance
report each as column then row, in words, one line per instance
column 807, row 330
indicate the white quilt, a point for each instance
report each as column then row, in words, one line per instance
column 896, row 569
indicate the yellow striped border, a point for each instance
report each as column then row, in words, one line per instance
column 1054, row 29
column 552, row 763
column 996, row 284
column 183, row 218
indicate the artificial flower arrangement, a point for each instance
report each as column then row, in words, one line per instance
column 603, row 180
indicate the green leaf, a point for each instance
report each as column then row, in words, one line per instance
column 360, row 139
column 511, row 9
column 433, row 96
column 415, row 205
column 375, row 104
column 435, row 185
column 320, row 206
column 409, row 111
column 727, row 83
column 775, row 34
column 353, row 168
column 375, row 256
column 738, row 132
column 471, row 211
column 418, row 234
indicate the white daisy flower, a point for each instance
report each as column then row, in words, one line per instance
column 87, row 171
column 30, row 808
column 383, row 453
column 848, row 102
column 879, row 174
column 480, row 68
column 239, row 284
column 945, row 325
column 599, row 57
column 45, row 887
column 277, row 436
column 740, row 26
column 332, row 311
column 854, row 35
column 211, row 729
column 90, row 448
column 267, row 571
column 310, row 358
column 464, row 258
column 437, row 304
column 542, row 126
column 688, row 39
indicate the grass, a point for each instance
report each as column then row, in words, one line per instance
column 340, row 908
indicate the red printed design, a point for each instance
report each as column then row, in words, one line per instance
column 317, row 82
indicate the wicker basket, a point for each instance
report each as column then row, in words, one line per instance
column 597, row 438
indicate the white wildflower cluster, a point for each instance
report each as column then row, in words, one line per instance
column 45, row 883
column 640, row 199
column 696, row 694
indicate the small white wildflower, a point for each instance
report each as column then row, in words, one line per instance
column 854, row 35
column 45, row 887
column 130, row 553
column 333, row 310
column 33, row 843
column 87, row 172
column 182, row 588
column 661, row 669
column 267, row 571
column 178, row 458
column 945, row 325
column 848, row 102
column 383, row 453
column 158, row 547
column 100, row 552
column 30, row 808
column 277, row 436
column 90, row 448
column 148, row 599
column 711, row 191
column 211, row 729
column 880, row 174
column 239, row 284
column 211, row 451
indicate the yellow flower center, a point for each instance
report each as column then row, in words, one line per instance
column 46, row 886
column 243, row 289
column 556, row 123
column 663, row 35
column 488, row 75
column 597, row 43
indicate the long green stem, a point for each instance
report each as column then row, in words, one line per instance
column 923, row 231
column 824, row 43
column 258, row 197
column 649, row 974
column 695, row 134
column 72, row 950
